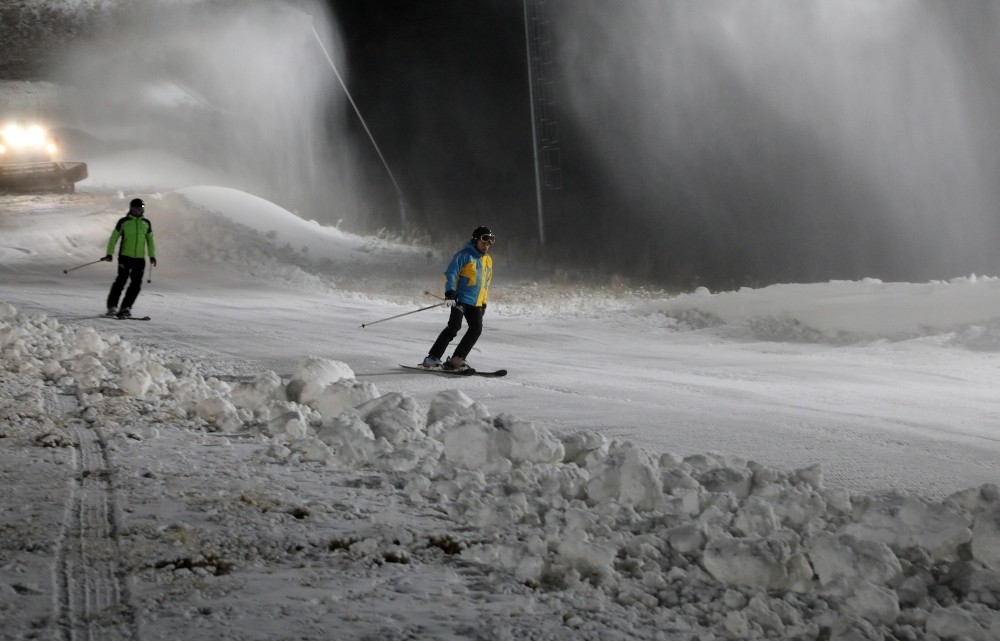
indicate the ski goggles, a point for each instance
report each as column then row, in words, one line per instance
column 489, row 239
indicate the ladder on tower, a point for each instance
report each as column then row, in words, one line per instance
column 543, row 93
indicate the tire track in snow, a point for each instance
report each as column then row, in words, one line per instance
column 91, row 590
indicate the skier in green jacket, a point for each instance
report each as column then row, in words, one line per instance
column 136, row 234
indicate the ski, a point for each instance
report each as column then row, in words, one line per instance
column 139, row 318
column 438, row 370
column 465, row 372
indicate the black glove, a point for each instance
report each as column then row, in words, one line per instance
column 152, row 261
column 484, row 308
column 450, row 294
column 107, row 258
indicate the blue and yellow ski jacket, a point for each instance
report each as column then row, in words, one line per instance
column 469, row 274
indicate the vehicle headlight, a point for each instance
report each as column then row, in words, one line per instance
column 18, row 136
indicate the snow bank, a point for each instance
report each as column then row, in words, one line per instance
column 841, row 311
column 285, row 229
column 714, row 543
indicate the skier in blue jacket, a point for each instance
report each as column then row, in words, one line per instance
column 466, row 289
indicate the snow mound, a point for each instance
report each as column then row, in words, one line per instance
column 284, row 228
column 964, row 311
column 708, row 542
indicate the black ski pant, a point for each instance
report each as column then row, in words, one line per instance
column 474, row 317
column 128, row 268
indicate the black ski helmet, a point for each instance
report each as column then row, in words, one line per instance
column 137, row 204
column 479, row 232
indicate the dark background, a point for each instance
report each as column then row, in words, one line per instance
column 444, row 89
column 752, row 199
column 758, row 200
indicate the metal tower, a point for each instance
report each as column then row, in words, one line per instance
column 541, row 92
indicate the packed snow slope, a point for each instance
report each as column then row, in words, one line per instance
column 884, row 384
column 802, row 461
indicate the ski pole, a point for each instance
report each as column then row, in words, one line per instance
column 150, row 279
column 66, row 271
column 434, row 295
column 363, row 325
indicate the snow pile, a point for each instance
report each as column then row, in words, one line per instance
column 259, row 240
column 258, row 213
column 234, row 247
column 715, row 545
column 845, row 311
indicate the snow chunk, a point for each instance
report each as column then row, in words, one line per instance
column 506, row 441
column 846, row 556
column 220, row 412
column 88, row 371
column 973, row 623
column 798, row 508
column 522, row 442
column 341, row 395
column 312, row 375
column 583, row 448
column 590, row 559
column 901, row 521
column 311, row 450
column 452, row 403
column 755, row 517
column 135, row 380
column 765, row 563
column 89, row 340
column 976, row 499
column 350, row 439
column 737, row 481
column 474, row 445
column 284, row 418
column 394, row 417
column 875, row 604
column 262, row 390
column 629, row 475
column 986, row 539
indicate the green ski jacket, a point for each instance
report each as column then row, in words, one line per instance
column 136, row 233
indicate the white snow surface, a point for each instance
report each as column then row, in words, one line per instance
column 800, row 461
column 797, row 462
